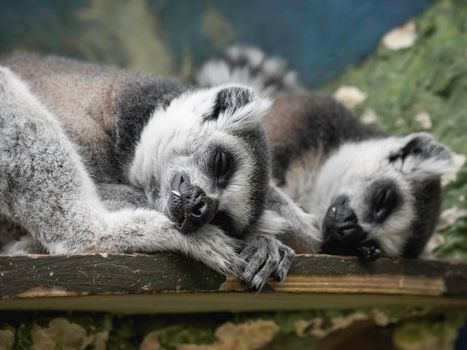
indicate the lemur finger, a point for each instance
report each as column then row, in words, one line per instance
column 255, row 258
column 270, row 258
column 287, row 259
column 248, row 251
column 259, row 280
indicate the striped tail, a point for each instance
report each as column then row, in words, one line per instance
column 249, row 66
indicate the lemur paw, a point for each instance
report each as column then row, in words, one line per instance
column 265, row 257
column 368, row 253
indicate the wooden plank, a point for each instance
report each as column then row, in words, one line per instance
column 172, row 283
column 227, row 302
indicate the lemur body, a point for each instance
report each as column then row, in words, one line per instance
column 90, row 101
column 80, row 144
column 369, row 193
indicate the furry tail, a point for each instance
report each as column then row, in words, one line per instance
column 249, row 66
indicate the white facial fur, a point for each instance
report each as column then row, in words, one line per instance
column 179, row 139
column 351, row 170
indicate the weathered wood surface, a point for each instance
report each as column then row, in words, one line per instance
column 140, row 283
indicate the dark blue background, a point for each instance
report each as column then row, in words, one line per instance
column 317, row 37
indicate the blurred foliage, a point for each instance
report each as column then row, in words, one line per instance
column 429, row 77
column 173, row 37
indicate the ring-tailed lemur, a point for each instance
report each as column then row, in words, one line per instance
column 80, row 144
column 370, row 193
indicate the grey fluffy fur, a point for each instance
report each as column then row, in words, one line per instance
column 87, row 154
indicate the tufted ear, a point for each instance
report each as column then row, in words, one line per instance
column 421, row 156
column 238, row 108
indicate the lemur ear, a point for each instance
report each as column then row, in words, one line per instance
column 421, row 156
column 238, row 108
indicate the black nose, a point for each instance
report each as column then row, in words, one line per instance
column 341, row 222
column 200, row 208
column 190, row 207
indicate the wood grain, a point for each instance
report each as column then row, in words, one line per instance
column 139, row 283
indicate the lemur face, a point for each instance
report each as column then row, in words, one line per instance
column 205, row 160
column 382, row 194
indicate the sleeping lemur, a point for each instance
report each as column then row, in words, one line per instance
column 100, row 159
column 370, row 194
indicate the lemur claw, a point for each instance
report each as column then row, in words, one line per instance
column 265, row 257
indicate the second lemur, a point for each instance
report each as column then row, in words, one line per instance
column 369, row 193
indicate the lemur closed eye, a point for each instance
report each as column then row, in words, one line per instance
column 367, row 194
column 75, row 138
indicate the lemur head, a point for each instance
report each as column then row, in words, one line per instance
column 384, row 193
column 204, row 159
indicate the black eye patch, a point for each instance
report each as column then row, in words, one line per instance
column 384, row 198
column 221, row 166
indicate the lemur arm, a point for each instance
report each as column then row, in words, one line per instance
column 283, row 226
column 301, row 231
column 120, row 196
column 266, row 256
